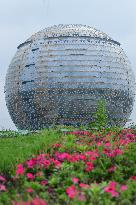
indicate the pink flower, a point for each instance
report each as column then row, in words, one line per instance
column 123, row 187
column 74, row 158
column 92, row 158
column 30, row 163
column 133, row 178
column 82, row 157
column 123, row 142
column 79, row 133
column 71, row 192
column 2, row 179
column 112, row 169
column 75, row 180
column 38, row 201
column 99, row 144
column 44, row 182
column 81, row 197
column 89, row 166
column 39, row 174
column 29, row 190
column 82, row 185
column 107, row 144
column 2, row 187
column 114, row 193
column 30, row 176
column 20, row 169
column 56, row 163
column 118, row 152
column 46, row 163
column 112, row 184
column 92, row 153
column 62, row 156
column 111, row 188
column 57, row 145
column 112, row 153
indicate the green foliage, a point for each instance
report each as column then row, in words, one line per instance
column 100, row 117
column 8, row 133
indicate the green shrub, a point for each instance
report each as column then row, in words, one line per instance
column 100, row 117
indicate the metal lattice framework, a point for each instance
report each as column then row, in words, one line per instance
column 58, row 75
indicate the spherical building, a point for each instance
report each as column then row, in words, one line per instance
column 58, row 75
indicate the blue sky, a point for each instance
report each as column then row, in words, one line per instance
column 20, row 19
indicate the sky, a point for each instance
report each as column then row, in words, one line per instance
column 19, row 19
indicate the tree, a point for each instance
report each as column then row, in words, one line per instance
column 100, row 117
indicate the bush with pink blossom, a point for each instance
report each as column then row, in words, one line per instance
column 82, row 167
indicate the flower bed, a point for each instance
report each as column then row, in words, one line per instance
column 85, row 168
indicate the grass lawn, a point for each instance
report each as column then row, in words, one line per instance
column 16, row 148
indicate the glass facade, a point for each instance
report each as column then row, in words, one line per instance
column 58, row 75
